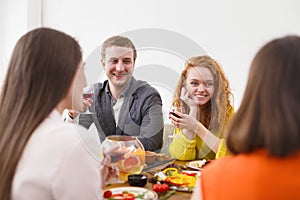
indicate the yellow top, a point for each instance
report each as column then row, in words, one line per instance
column 182, row 148
column 222, row 150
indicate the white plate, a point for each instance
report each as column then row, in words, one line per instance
column 149, row 195
column 197, row 164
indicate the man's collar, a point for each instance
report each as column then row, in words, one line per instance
column 126, row 91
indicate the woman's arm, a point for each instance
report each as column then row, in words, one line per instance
column 208, row 137
column 182, row 148
column 191, row 126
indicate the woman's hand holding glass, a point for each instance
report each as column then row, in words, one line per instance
column 181, row 119
column 126, row 154
column 107, row 171
column 87, row 101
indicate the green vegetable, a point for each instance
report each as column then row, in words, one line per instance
column 168, row 195
column 141, row 196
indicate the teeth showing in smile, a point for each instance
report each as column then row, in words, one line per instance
column 118, row 74
column 201, row 96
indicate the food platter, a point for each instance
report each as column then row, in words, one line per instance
column 197, row 164
column 186, row 188
column 139, row 193
column 180, row 180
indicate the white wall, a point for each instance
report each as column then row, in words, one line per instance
column 229, row 30
column 12, row 26
column 16, row 18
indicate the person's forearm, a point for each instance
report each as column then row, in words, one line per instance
column 189, row 133
column 209, row 138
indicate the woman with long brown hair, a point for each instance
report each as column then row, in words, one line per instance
column 202, row 100
column 264, row 135
column 41, row 156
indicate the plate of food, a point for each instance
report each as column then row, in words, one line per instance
column 129, row 193
column 197, row 164
column 179, row 180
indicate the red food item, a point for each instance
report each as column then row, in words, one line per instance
column 130, row 162
column 156, row 187
column 123, row 196
column 160, row 187
column 164, row 187
column 189, row 174
column 107, row 194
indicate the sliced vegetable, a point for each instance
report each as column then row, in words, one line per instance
column 120, row 196
column 179, row 179
column 170, row 171
column 168, row 195
column 189, row 173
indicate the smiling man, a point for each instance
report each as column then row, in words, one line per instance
column 123, row 105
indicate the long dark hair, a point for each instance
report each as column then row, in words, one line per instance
column 41, row 70
column 269, row 114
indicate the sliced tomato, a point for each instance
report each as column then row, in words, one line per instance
column 123, row 196
column 189, row 173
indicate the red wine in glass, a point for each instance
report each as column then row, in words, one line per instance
column 174, row 114
column 88, row 95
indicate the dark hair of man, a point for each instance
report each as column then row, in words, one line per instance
column 118, row 41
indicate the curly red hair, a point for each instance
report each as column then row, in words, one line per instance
column 218, row 110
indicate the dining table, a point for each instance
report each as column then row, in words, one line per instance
column 150, row 173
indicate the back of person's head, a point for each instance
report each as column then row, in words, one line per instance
column 269, row 114
column 118, row 41
column 42, row 67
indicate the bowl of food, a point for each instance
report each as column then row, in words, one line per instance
column 150, row 157
column 139, row 180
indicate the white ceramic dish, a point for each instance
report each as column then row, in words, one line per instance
column 197, row 164
column 148, row 194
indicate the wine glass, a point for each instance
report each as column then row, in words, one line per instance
column 178, row 109
column 127, row 155
column 88, row 93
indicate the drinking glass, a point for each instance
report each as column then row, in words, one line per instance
column 127, row 155
column 178, row 109
column 88, row 93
